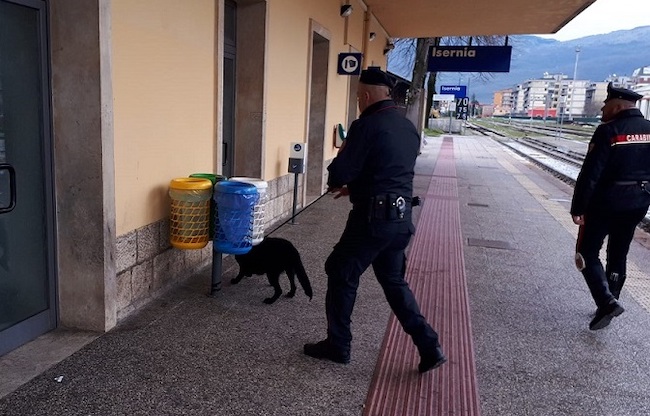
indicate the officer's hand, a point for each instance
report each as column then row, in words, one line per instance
column 342, row 146
column 579, row 219
column 339, row 192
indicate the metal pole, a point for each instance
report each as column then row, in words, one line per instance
column 548, row 96
column 295, row 198
column 531, row 105
column 511, row 104
column 562, row 108
column 216, row 273
column 215, row 285
column 573, row 84
column 469, row 83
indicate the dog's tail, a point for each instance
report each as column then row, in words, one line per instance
column 301, row 274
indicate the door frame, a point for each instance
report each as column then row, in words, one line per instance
column 314, row 181
column 46, row 320
column 229, row 102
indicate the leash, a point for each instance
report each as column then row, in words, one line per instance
column 297, row 213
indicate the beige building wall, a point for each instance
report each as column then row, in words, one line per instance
column 288, row 75
column 164, row 54
column 164, row 105
column 288, row 72
column 158, row 117
column 375, row 55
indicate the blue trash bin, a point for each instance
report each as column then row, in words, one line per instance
column 234, row 220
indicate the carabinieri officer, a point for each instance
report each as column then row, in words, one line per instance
column 375, row 167
column 611, row 197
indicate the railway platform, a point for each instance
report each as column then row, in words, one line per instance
column 491, row 264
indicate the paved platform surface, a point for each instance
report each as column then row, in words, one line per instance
column 189, row 354
column 435, row 273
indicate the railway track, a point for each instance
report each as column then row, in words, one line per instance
column 561, row 162
column 484, row 131
column 572, row 157
column 549, row 130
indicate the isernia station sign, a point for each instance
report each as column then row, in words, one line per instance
column 469, row 59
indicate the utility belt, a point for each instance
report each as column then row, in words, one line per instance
column 388, row 207
column 643, row 184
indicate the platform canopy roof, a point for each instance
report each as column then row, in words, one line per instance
column 433, row 18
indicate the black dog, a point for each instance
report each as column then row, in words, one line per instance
column 272, row 257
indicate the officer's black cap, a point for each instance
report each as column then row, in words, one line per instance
column 375, row 76
column 621, row 94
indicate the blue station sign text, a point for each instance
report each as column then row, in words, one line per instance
column 469, row 59
column 458, row 91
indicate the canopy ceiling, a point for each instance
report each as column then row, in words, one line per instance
column 433, row 18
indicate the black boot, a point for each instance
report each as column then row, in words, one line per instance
column 324, row 350
column 431, row 360
column 605, row 314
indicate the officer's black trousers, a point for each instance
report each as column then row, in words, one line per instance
column 619, row 226
column 382, row 245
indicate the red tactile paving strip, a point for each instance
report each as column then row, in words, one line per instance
column 436, row 274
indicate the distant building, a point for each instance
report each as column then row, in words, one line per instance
column 620, row 81
column 489, row 111
column 644, row 103
column 503, row 102
column 641, row 76
column 555, row 95
column 552, row 95
column 597, row 91
column 595, row 96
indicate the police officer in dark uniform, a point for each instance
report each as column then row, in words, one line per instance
column 375, row 167
column 611, row 197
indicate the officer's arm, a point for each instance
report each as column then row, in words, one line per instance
column 592, row 170
column 347, row 165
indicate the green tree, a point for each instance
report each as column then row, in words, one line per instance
column 474, row 105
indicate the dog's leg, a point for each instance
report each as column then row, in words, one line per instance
column 237, row 279
column 292, row 281
column 274, row 280
column 302, row 278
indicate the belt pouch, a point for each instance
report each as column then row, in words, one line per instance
column 378, row 207
column 644, row 187
column 392, row 213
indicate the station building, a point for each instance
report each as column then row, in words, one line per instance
column 103, row 102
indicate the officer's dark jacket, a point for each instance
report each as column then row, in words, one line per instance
column 379, row 155
column 619, row 156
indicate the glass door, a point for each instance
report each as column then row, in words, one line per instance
column 27, row 290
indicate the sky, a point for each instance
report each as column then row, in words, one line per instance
column 605, row 16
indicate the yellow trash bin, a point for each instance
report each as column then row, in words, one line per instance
column 190, row 212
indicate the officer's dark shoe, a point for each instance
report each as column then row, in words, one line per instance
column 605, row 314
column 324, row 350
column 431, row 360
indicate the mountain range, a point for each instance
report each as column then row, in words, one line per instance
column 600, row 56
